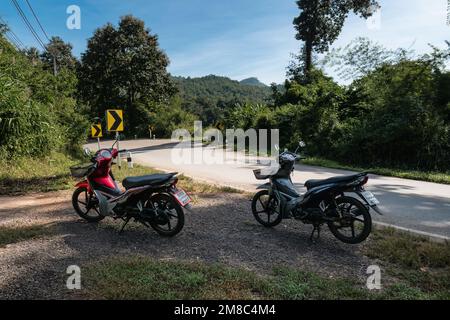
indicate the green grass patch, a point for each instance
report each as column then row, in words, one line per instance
column 51, row 173
column 138, row 277
column 437, row 177
column 145, row 278
column 415, row 261
column 18, row 176
column 15, row 234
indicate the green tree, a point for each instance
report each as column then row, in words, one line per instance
column 124, row 67
column 320, row 22
column 33, row 54
column 58, row 55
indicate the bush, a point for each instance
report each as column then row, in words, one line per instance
column 38, row 113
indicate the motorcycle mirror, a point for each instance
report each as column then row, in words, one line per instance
column 302, row 144
column 87, row 152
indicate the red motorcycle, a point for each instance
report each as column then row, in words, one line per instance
column 153, row 200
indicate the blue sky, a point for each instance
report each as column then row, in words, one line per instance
column 234, row 38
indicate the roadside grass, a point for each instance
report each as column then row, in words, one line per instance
column 415, row 261
column 139, row 277
column 437, row 177
column 10, row 234
column 51, row 173
column 413, row 268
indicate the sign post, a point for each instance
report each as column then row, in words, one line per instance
column 114, row 123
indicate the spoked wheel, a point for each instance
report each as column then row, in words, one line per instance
column 86, row 205
column 265, row 209
column 170, row 216
column 354, row 222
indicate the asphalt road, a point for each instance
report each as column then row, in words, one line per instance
column 417, row 205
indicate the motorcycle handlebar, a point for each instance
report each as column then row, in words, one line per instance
column 297, row 156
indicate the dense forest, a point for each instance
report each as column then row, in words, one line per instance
column 395, row 111
column 210, row 97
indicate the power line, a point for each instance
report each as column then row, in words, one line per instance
column 13, row 42
column 13, row 37
column 28, row 25
column 16, row 38
column 39, row 23
column 34, row 33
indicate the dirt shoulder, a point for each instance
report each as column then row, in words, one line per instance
column 220, row 230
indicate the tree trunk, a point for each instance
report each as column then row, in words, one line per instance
column 308, row 60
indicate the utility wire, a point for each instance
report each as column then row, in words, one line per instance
column 54, row 53
column 11, row 36
column 13, row 42
column 35, row 34
column 28, row 25
column 12, row 32
column 39, row 22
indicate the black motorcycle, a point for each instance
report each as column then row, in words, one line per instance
column 325, row 201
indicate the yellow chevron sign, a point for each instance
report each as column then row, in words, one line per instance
column 114, row 120
column 96, row 130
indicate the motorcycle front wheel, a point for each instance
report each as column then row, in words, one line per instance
column 265, row 209
column 170, row 215
column 86, row 205
column 353, row 223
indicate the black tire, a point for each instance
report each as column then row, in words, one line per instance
column 80, row 201
column 173, row 210
column 352, row 210
column 268, row 207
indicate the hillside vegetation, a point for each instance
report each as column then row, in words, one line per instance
column 38, row 111
column 211, row 96
column 395, row 114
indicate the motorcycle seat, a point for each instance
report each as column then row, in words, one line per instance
column 341, row 179
column 152, row 179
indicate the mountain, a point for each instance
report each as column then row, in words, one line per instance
column 252, row 82
column 210, row 96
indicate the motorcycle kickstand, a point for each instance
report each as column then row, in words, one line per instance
column 124, row 224
column 316, row 228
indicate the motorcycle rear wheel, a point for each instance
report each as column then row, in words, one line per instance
column 350, row 211
column 172, row 209
column 80, row 201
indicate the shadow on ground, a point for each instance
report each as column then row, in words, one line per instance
column 220, row 230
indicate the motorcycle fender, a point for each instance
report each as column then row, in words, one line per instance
column 374, row 208
column 84, row 184
column 265, row 186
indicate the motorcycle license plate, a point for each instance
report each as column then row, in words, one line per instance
column 370, row 198
column 182, row 197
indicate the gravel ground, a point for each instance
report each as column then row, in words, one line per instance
column 221, row 229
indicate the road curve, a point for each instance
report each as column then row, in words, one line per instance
column 418, row 205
